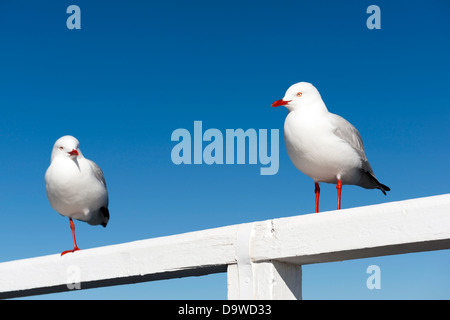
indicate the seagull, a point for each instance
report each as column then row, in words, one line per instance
column 323, row 145
column 75, row 186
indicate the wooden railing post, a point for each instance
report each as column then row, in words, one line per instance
column 271, row 280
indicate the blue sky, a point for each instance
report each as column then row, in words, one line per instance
column 138, row 70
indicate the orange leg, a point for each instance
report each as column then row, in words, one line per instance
column 72, row 226
column 317, row 191
column 339, row 188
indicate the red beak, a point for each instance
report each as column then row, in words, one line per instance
column 280, row 102
column 73, row 152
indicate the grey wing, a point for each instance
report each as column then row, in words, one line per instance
column 97, row 172
column 347, row 132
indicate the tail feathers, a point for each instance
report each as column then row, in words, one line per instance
column 105, row 216
column 378, row 184
column 383, row 188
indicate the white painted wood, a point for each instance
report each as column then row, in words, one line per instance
column 263, row 280
column 233, row 282
column 391, row 228
column 243, row 259
column 271, row 280
column 277, row 280
column 189, row 254
column 274, row 248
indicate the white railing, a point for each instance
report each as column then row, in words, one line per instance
column 263, row 259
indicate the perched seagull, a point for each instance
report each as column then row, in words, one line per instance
column 75, row 186
column 323, row 145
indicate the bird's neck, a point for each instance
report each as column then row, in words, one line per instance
column 314, row 109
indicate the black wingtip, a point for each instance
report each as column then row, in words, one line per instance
column 105, row 213
column 384, row 188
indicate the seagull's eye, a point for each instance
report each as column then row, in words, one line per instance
column 299, row 94
column 61, row 148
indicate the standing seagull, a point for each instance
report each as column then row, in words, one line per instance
column 323, row 145
column 76, row 187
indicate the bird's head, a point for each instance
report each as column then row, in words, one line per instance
column 300, row 95
column 66, row 146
